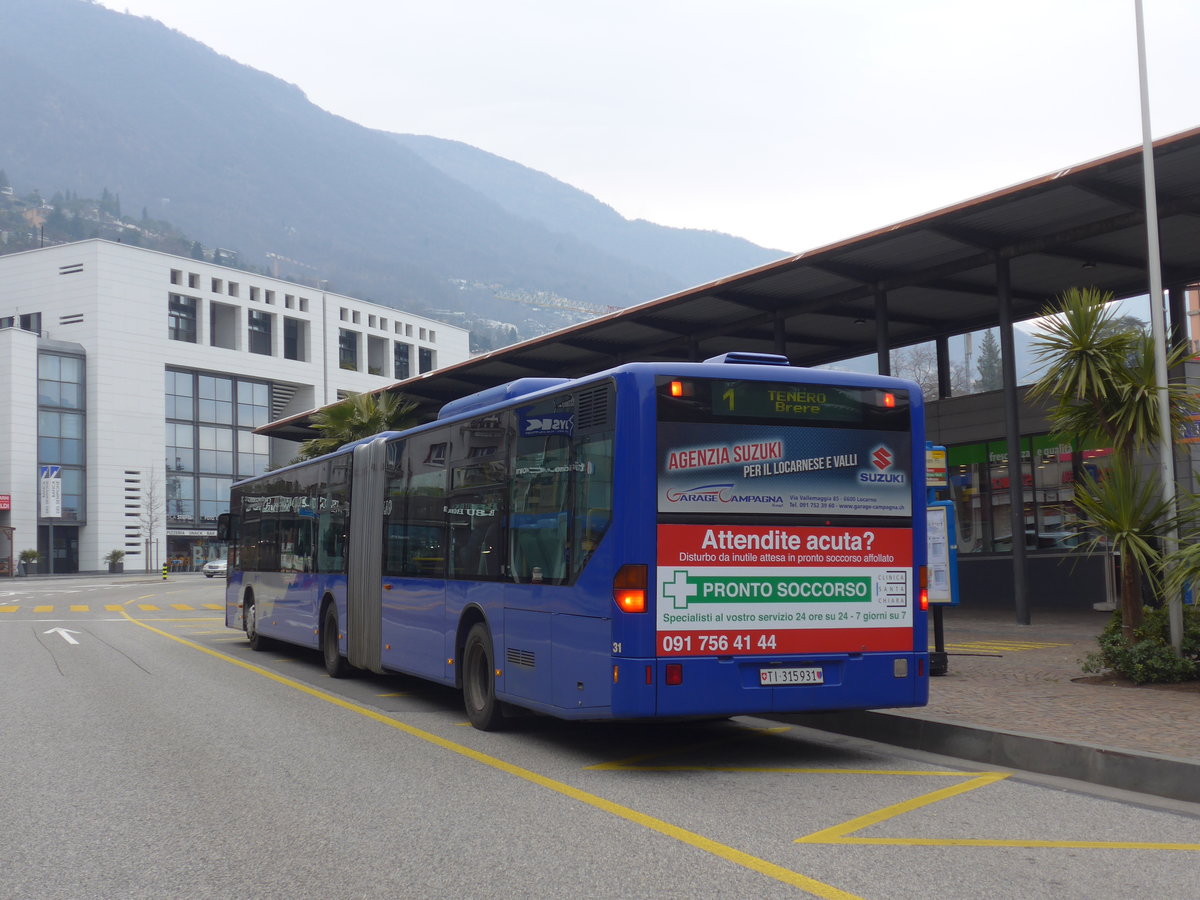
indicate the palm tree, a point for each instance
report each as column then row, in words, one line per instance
column 356, row 417
column 1101, row 386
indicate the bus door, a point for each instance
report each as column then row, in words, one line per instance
column 363, row 617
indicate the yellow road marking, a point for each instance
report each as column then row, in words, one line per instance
column 770, row 870
column 147, row 607
column 9, row 608
column 79, row 607
column 841, row 834
column 212, row 606
column 400, row 694
column 1010, row 646
column 182, row 607
column 113, row 607
column 43, row 609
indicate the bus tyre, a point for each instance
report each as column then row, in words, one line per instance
column 335, row 663
column 250, row 619
column 479, row 681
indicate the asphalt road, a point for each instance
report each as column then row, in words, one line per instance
column 146, row 751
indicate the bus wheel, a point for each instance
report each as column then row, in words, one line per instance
column 479, row 681
column 335, row 663
column 250, row 617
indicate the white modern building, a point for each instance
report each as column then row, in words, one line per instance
column 131, row 380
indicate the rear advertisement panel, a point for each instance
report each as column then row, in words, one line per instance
column 714, row 470
column 742, row 589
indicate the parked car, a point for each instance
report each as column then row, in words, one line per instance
column 214, row 567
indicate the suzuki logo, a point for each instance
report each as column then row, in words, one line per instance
column 882, row 457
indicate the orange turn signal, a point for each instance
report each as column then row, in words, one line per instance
column 629, row 588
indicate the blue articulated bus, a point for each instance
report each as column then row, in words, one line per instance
column 736, row 536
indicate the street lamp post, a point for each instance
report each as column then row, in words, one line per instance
column 1157, row 321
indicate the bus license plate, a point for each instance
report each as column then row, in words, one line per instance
column 791, row 676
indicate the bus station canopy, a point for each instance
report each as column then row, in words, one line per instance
column 924, row 279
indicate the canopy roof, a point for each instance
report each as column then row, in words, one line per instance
column 1083, row 225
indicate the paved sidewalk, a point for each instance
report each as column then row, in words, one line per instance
column 1020, row 678
column 1010, row 698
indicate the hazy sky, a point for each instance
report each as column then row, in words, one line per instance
column 794, row 123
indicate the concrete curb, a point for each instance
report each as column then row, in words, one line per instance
column 1146, row 773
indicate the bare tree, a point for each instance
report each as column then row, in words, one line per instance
column 919, row 364
column 150, row 516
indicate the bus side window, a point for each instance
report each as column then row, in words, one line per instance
column 593, row 496
column 539, row 531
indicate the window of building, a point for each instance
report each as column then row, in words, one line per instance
column 425, row 359
column 215, row 399
column 234, row 289
column 260, row 326
column 270, row 297
column 344, row 314
column 181, row 318
column 303, row 304
column 372, row 321
column 422, row 337
column 60, row 438
column 176, row 276
column 295, row 339
column 355, row 317
column 254, row 404
column 402, row 360
column 32, row 322
column 377, row 354
column 181, row 498
column 254, row 294
column 348, row 349
column 432, row 336
column 217, row 286
column 215, row 449
column 180, row 447
column 408, row 331
column 253, row 454
column 214, row 498
column 60, row 381
column 289, row 301
column 180, row 395
column 193, row 280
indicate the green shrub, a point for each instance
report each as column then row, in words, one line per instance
column 1149, row 658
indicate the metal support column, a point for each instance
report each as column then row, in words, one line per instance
column 1012, row 428
column 945, row 383
column 1177, row 328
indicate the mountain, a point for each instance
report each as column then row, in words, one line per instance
column 236, row 158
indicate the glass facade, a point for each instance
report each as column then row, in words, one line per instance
column 980, row 479
column 209, row 443
column 60, row 424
